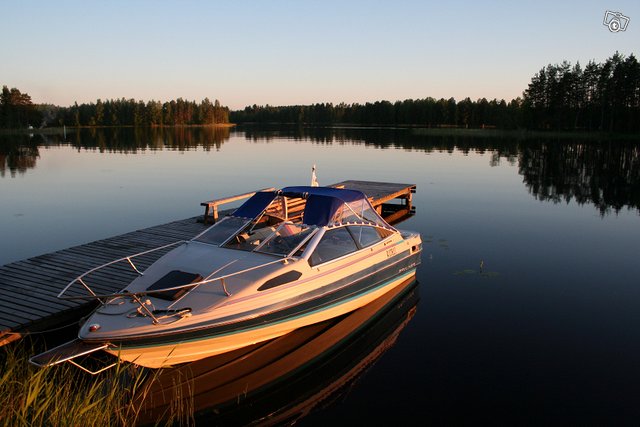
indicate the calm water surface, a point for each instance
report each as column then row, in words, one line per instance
column 528, row 290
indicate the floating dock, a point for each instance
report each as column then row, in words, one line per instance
column 29, row 288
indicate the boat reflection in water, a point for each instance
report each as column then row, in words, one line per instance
column 283, row 380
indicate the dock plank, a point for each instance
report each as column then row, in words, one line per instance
column 19, row 287
column 10, row 293
column 20, row 309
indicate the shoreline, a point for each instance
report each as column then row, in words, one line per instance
column 487, row 132
column 60, row 129
column 416, row 129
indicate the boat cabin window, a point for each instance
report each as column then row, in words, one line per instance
column 222, row 230
column 334, row 244
column 366, row 235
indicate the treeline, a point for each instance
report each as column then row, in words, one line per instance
column 18, row 111
column 129, row 112
column 603, row 96
column 429, row 112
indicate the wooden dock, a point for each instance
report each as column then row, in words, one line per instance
column 29, row 288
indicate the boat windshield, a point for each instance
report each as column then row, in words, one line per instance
column 358, row 211
column 280, row 240
column 223, row 230
column 287, row 238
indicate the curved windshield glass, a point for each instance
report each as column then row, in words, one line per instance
column 334, row 244
column 286, row 239
column 358, row 211
column 250, row 237
column 365, row 235
column 222, row 230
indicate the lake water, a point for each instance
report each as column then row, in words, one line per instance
column 528, row 290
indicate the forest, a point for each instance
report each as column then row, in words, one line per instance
column 123, row 112
column 17, row 111
column 599, row 97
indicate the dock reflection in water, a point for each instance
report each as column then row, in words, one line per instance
column 284, row 379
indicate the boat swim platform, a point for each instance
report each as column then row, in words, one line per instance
column 29, row 288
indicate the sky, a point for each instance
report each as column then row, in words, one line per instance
column 297, row 52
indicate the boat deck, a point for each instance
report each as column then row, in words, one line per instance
column 29, row 288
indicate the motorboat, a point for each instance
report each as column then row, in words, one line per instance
column 283, row 260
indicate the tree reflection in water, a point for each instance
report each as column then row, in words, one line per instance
column 17, row 155
column 605, row 174
column 590, row 169
column 602, row 172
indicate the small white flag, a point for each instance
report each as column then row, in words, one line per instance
column 314, row 178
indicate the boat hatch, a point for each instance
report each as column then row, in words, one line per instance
column 174, row 278
column 67, row 352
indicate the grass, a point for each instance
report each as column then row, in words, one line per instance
column 63, row 395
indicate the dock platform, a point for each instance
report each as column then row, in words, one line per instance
column 29, row 288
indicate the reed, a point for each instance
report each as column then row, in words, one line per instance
column 64, row 395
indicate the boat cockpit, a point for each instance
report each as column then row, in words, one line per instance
column 287, row 222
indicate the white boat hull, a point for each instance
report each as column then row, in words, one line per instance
column 158, row 356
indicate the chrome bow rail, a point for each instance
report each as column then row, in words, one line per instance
column 80, row 279
column 136, row 296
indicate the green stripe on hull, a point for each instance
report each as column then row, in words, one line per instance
column 275, row 322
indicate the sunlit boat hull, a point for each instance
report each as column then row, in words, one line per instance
column 176, row 352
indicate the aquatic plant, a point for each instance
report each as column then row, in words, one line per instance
column 65, row 395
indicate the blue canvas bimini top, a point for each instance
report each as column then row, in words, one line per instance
column 322, row 202
column 346, row 196
column 255, row 205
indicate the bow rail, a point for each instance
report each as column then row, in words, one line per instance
column 136, row 295
column 80, row 279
